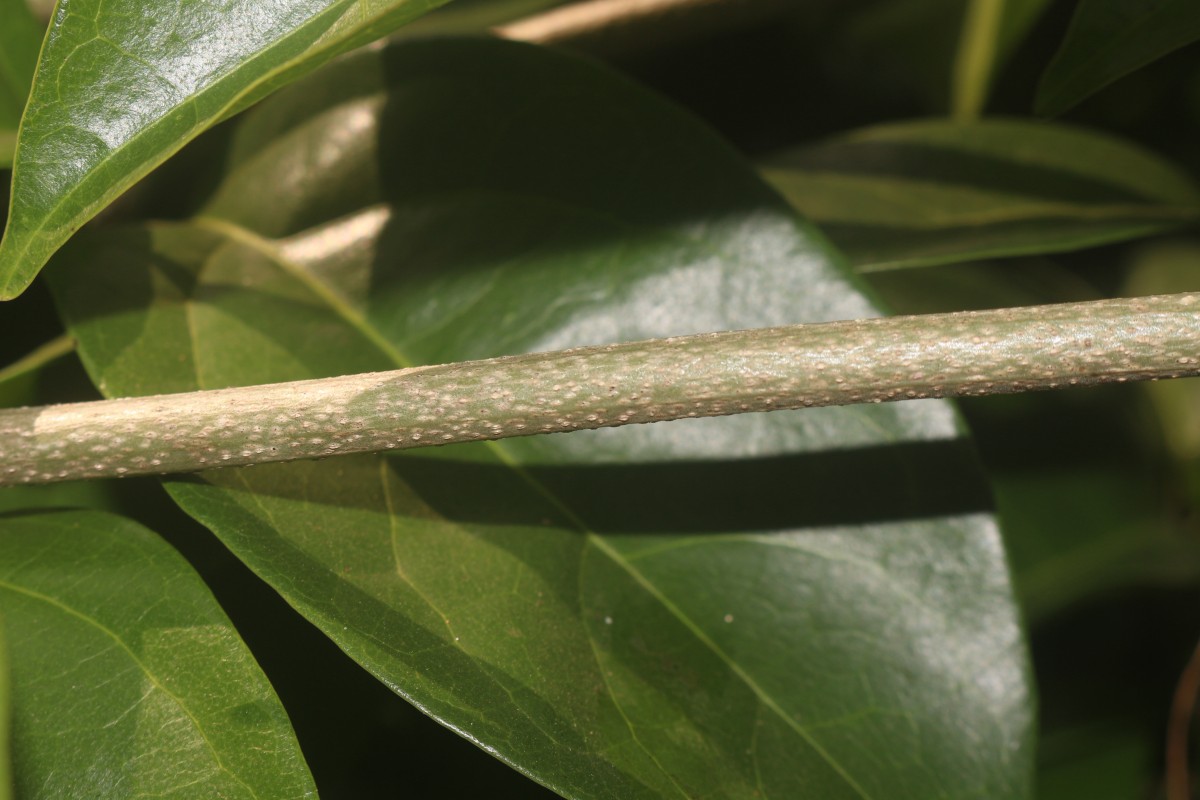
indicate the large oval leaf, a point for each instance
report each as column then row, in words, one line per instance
column 797, row 604
column 123, row 84
column 1111, row 38
column 128, row 680
column 935, row 192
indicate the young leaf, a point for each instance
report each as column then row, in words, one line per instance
column 1111, row 38
column 124, row 84
column 128, row 680
column 934, row 192
column 991, row 30
column 773, row 605
column 20, row 36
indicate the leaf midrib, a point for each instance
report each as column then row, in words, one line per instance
column 352, row 317
column 120, row 643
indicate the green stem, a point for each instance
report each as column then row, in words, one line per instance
column 837, row 363
column 50, row 351
column 976, row 58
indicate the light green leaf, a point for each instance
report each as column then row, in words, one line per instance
column 991, row 30
column 781, row 605
column 128, row 680
column 6, row 781
column 8, row 146
column 20, row 36
column 122, row 85
column 1108, row 39
column 934, row 192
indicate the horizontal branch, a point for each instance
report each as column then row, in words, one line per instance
column 837, row 363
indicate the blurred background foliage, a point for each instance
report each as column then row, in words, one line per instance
column 1097, row 490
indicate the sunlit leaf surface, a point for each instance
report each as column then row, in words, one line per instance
column 775, row 605
column 126, row 83
column 127, row 679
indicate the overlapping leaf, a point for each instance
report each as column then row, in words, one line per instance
column 1111, row 38
column 126, row 83
column 5, row 719
column 128, row 680
column 785, row 605
column 20, row 36
column 992, row 29
column 920, row 44
column 1082, row 518
column 19, row 40
column 934, row 192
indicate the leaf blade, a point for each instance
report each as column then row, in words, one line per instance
column 115, row 99
column 6, row 781
column 1108, row 39
column 931, row 192
column 494, row 199
column 100, row 610
column 19, row 40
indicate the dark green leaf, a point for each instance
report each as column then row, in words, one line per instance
column 128, row 680
column 20, row 36
column 476, row 16
column 782, row 605
column 1082, row 516
column 920, row 43
column 8, row 146
column 1100, row 763
column 124, row 84
column 1111, row 38
column 934, row 192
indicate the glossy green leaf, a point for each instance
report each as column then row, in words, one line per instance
column 935, row 192
column 1082, row 516
column 780, row 605
column 128, row 680
column 122, row 85
column 1111, row 38
column 20, row 36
